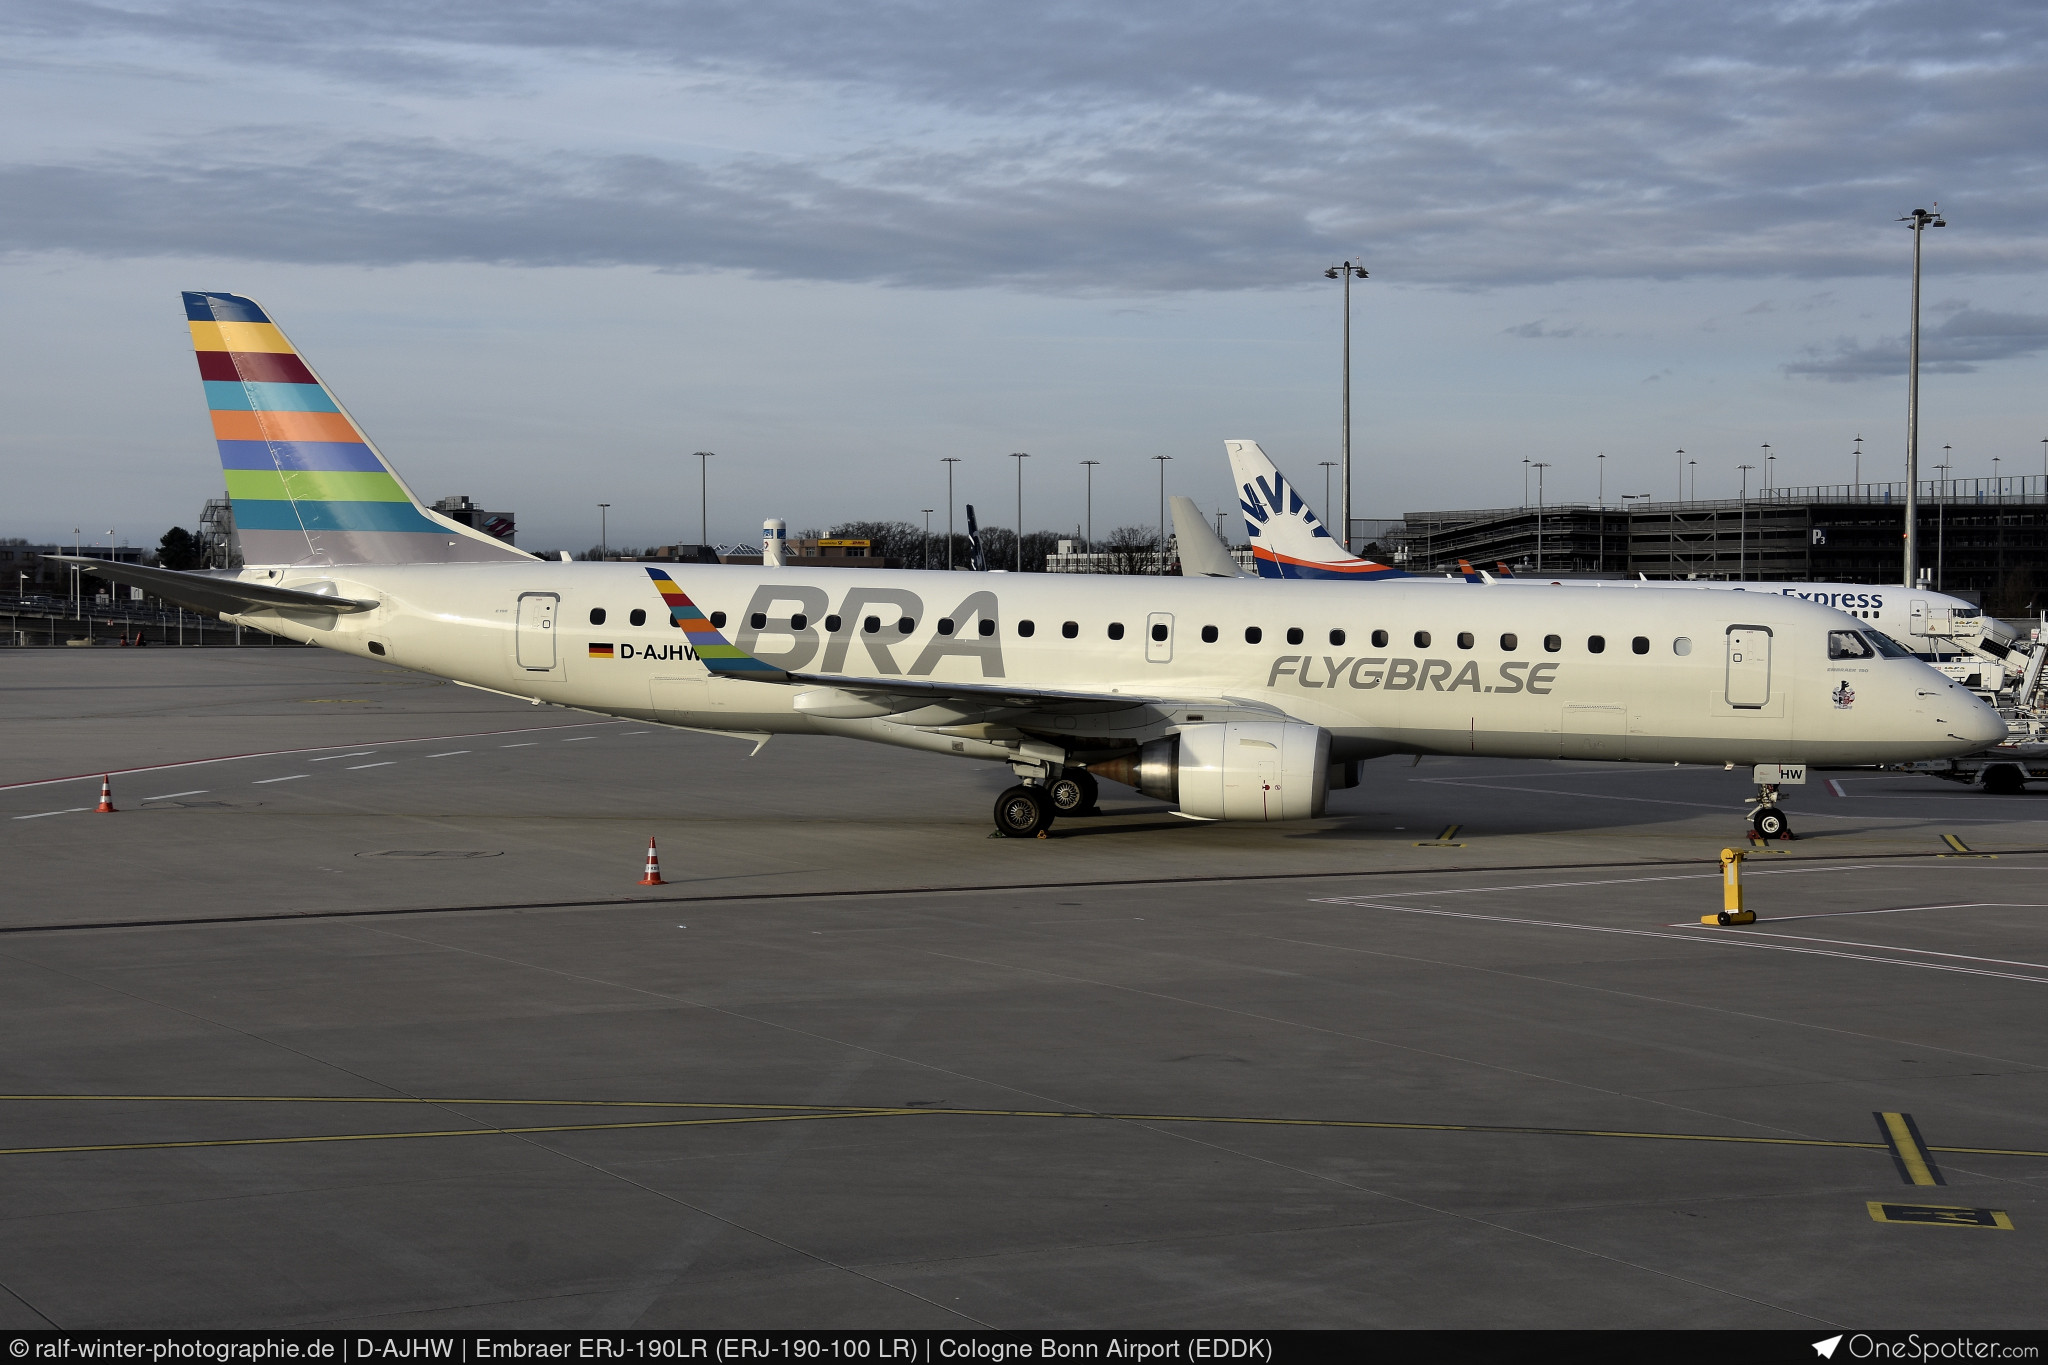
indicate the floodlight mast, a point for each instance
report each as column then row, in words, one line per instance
column 1919, row 220
column 1346, row 272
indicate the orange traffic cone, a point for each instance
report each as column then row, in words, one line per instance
column 106, row 805
column 653, row 877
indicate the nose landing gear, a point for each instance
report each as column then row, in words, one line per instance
column 1766, row 821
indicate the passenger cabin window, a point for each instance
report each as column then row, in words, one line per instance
column 637, row 617
column 1464, row 639
column 1026, row 629
column 1208, row 635
column 1847, row 644
column 1294, row 635
column 873, row 625
column 1159, row 630
column 796, row 622
column 1596, row 644
column 1379, row 639
column 757, row 620
column 986, row 626
column 1641, row 644
column 832, row 624
column 906, row 626
column 1070, row 629
column 1508, row 643
column 1552, row 643
column 1422, row 639
column 945, row 625
column 1116, row 630
column 597, row 616
column 718, row 620
column 1252, row 635
column 1681, row 646
column 1337, row 637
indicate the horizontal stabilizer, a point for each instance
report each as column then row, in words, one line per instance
column 213, row 592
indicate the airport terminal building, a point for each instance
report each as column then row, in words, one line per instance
column 1978, row 536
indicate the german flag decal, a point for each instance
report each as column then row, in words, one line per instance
column 600, row 651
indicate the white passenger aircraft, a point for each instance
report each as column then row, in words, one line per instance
column 1235, row 699
column 1289, row 541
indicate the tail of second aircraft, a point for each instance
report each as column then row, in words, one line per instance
column 1288, row 540
column 977, row 553
column 306, row 485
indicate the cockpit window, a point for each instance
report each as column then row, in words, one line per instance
column 1887, row 646
column 1847, row 644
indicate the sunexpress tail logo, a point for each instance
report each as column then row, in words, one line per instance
column 1262, row 500
column 1389, row 674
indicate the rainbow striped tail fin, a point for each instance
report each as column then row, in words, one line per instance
column 711, row 648
column 306, row 484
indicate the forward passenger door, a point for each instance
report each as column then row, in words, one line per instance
column 1749, row 667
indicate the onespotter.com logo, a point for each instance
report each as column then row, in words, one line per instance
column 1913, row 1346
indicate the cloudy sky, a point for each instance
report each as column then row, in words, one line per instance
column 544, row 251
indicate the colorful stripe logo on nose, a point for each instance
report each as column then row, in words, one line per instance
column 711, row 648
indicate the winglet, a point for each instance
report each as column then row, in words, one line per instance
column 712, row 649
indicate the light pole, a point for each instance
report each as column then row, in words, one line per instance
column 1539, row 467
column 927, row 538
column 1694, row 466
column 703, row 497
column 1742, row 527
column 603, row 540
column 1920, row 220
column 1162, row 502
column 1525, row 481
column 1770, row 467
column 1681, row 476
column 1088, row 537
column 949, row 461
column 1327, row 465
column 1859, row 463
column 1346, row 272
column 1020, row 456
column 1602, row 457
column 1940, row 519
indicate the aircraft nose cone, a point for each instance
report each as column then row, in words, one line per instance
column 1981, row 724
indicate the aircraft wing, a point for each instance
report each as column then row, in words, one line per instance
column 212, row 591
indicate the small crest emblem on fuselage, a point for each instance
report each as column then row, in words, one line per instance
column 1845, row 695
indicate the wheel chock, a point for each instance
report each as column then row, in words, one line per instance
column 1730, row 917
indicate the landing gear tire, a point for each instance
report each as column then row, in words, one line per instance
column 1072, row 793
column 2004, row 782
column 1023, row 813
column 1771, row 824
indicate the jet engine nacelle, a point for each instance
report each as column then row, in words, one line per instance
column 1233, row 770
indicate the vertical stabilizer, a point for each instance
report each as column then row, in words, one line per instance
column 1202, row 555
column 977, row 553
column 1288, row 539
column 306, row 484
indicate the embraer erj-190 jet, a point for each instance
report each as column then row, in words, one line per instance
column 1234, row 699
column 1289, row 541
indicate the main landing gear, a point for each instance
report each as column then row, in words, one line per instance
column 1028, row 809
column 1023, row 813
column 1766, row 821
column 1073, row 792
